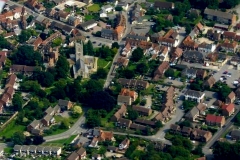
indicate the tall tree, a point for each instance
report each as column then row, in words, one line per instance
column 62, row 68
column 25, row 55
column 137, row 54
column 142, row 68
column 17, row 102
column 18, row 138
column 90, row 48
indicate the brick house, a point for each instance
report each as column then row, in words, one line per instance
column 215, row 120
column 120, row 113
column 201, row 135
column 230, row 98
column 142, row 110
column 161, row 70
column 209, row 82
column 228, row 109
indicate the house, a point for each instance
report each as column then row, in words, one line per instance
column 50, row 12
column 37, row 150
column 195, row 112
column 107, row 33
column 35, row 124
column 120, row 113
column 51, row 38
column 193, row 95
column 161, row 70
column 106, row 136
column 88, row 24
column 201, row 74
column 127, row 100
column 206, row 48
column 62, row 16
column 201, row 135
column 112, row 149
column 170, row 39
column 146, row 122
column 123, row 4
column 122, row 62
column 118, row 32
column 74, row 21
column 133, row 83
column 230, row 98
column 142, row 110
column 11, row 81
column 235, row 135
column 219, row 16
column 136, row 37
column 96, row 157
column 67, row 30
column 215, row 59
column 48, row 120
column 94, row 142
column 65, row 104
column 163, row 5
column 37, row 43
column 189, row 73
column 73, row 156
column 209, row 82
column 193, row 56
column 41, row 20
column 189, row 44
column 126, row 50
column 107, row 8
column 137, row 14
column 229, row 35
column 128, row 92
column 213, row 35
column 123, row 123
column 10, row 92
column 186, row 131
column 3, row 57
column 215, row 120
column 175, row 128
column 228, row 46
column 228, row 109
column 176, row 53
column 124, row 144
column 4, row 99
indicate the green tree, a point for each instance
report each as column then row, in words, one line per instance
column 46, row 79
column 132, row 114
column 56, row 42
column 115, row 45
column 17, row 102
column 118, row 8
column 24, row 36
column 169, row 72
column 4, row 44
column 77, row 111
column 101, row 100
column 25, row 55
column 65, row 124
column 159, row 124
column 225, row 150
column 90, row 48
column 18, row 138
column 93, row 86
column 188, row 28
column 237, row 119
column 137, row 54
column 142, row 68
column 127, row 73
column 100, row 74
column 30, row 18
column 62, row 68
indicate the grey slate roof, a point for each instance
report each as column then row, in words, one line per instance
column 193, row 93
column 217, row 13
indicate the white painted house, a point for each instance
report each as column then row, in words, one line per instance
column 193, row 95
column 206, row 48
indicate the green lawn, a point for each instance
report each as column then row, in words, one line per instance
column 88, row 17
column 94, row 8
column 11, row 128
column 60, row 142
column 8, row 150
column 102, row 63
column 105, row 121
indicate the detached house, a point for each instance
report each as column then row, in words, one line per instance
column 193, row 95
column 189, row 73
column 170, row 39
column 228, row 109
column 128, row 92
column 124, row 144
column 209, row 82
column 65, row 104
column 206, row 48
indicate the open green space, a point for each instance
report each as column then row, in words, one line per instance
column 89, row 17
column 102, row 63
column 11, row 128
column 60, row 142
column 94, row 8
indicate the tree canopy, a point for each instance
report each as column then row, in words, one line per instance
column 17, row 102
column 25, row 55
column 142, row 68
column 62, row 68
column 225, row 150
column 137, row 54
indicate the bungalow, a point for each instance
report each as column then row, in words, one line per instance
column 215, row 120
column 193, row 95
column 35, row 124
column 228, row 109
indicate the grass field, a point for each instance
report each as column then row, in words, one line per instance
column 94, row 8
column 88, row 17
column 60, row 142
column 11, row 128
column 102, row 63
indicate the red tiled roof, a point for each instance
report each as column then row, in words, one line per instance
column 214, row 119
column 228, row 107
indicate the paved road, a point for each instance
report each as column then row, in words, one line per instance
column 75, row 129
column 206, row 149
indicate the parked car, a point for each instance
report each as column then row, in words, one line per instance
column 225, row 72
